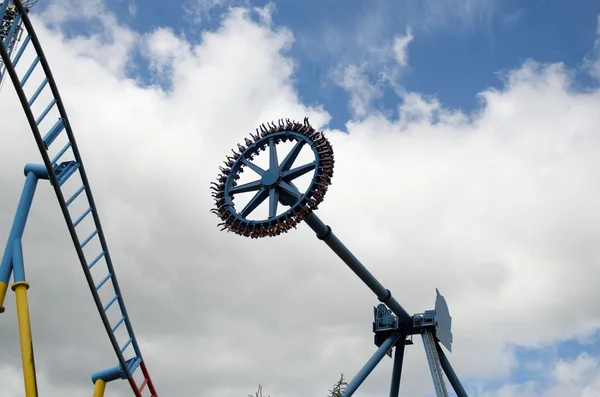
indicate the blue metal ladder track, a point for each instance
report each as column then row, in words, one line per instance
column 61, row 157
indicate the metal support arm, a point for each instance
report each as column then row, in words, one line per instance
column 397, row 371
column 12, row 263
column 370, row 366
column 384, row 295
column 450, row 374
column 33, row 173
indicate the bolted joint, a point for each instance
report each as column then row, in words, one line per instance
column 326, row 234
column 386, row 298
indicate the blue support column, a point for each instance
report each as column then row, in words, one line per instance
column 33, row 173
column 12, row 262
column 397, row 371
column 17, row 260
column 450, row 374
column 384, row 295
column 370, row 365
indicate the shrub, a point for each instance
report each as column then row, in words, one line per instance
column 336, row 391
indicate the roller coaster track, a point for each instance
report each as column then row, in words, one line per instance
column 63, row 163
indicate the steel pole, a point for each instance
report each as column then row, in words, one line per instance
column 33, row 173
column 370, row 366
column 397, row 371
column 450, row 374
column 384, row 295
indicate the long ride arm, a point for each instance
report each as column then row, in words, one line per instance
column 63, row 162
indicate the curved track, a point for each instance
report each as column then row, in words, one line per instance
column 55, row 140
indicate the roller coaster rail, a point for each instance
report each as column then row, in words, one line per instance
column 61, row 170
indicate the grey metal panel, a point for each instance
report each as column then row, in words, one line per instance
column 443, row 321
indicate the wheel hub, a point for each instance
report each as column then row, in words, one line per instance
column 271, row 177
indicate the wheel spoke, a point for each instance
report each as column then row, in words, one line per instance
column 246, row 187
column 287, row 163
column 258, row 198
column 287, row 188
column 273, row 200
column 253, row 167
column 299, row 171
column 273, row 162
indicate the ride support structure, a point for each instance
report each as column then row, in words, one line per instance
column 24, row 62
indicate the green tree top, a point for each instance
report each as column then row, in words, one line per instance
column 336, row 391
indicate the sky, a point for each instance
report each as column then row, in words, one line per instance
column 467, row 147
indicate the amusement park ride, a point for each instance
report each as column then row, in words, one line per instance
column 23, row 62
column 393, row 326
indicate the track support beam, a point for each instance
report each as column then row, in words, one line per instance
column 12, row 263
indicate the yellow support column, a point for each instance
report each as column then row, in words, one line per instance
column 99, row 388
column 3, row 288
column 29, row 378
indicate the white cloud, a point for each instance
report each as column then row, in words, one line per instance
column 369, row 49
column 448, row 13
column 60, row 11
column 198, row 10
column 362, row 92
column 513, row 17
column 109, row 44
column 132, row 8
column 574, row 377
column 365, row 80
column 497, row 208
column 162, row 47
column 266, row 13
column 593, row 60
column 401, row 47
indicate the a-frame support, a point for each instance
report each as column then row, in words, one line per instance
column 433, row 326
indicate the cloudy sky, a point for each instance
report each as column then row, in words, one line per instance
column 467, row 141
